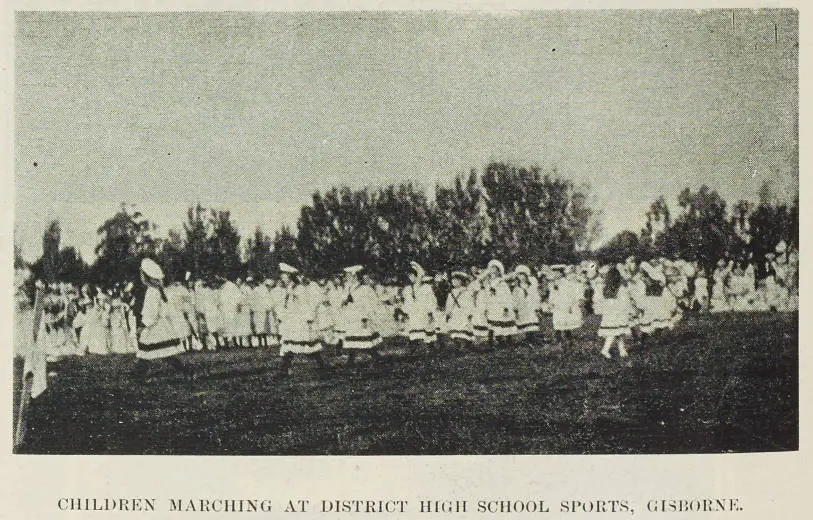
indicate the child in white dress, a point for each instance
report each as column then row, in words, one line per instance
column 526, row 301
column 615, row 305
column 420, row 306
column 566, row 296
column 500, row 311
column 459, row 311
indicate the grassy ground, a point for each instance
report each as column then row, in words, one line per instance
column 715, row 384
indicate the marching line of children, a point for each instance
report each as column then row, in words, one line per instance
column 492, row 307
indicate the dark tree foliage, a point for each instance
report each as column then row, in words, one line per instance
column 50, row 252
column 224, row 246
column 514, row 213
column 260, row 256
column 19, row 263
column 170, row 253
column 285, row 249
column 618, row 248
column 705, row 232
column 198, row 258
column 126, row 238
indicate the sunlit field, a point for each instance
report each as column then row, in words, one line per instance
column 717, row 383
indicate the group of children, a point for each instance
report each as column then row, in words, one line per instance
column 473, row 309
column 90, row 321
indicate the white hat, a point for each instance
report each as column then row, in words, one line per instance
column 419, row 271
column 461, row 275
column 523, row 269
column 152, row 269
column 781, row 247
column 286, row 268
column 353, row 269
column 496, row 263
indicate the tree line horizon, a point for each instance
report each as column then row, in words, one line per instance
column 514, row 213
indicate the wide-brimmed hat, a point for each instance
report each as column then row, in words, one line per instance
column 461, row 275
column 523, row 269
column 151, row 269
column 781, row 247
column 419, row 271
column 496, row 263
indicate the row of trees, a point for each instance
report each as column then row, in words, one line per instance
column 513, row 213
column 705, row 231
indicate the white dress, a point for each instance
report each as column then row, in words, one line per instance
column 94, row 336
column 245, row 302
column 656, row 311
column 180, row 305
column 209, row 305
column 231, row 300
column 276, row 302
column 479, row 322
column 500, row 311
column 459, row 314
column 421, row 306
column 719, row 300
column 297, row 316
column 386, row 323
column 160, row 336
column 565, row 301
column 616, row 313
column 326, row 317
column 528, row 304
column 258, row 310
column 360, row 312
column 119, row 330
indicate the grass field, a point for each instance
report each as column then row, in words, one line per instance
column 717, row 383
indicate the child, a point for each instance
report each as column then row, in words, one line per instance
column 359, row 313
column 420, row 306
column 526, row 301
column 500, row 312
column 297, row 316
column 616, row 309
column 479, row 295
column 655, row 305
column 460, row 311
column 566, row 298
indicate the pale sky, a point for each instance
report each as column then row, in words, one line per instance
column 253, row 112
